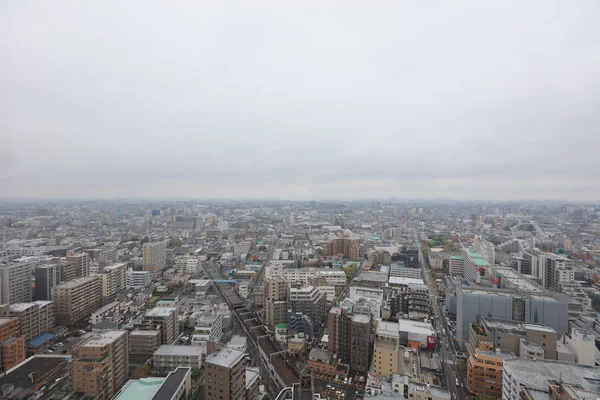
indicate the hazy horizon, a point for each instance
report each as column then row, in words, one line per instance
column 300, row 101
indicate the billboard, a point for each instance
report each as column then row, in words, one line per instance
column 431, row 342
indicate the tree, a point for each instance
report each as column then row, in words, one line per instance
column 141, row 371
column 146, row 239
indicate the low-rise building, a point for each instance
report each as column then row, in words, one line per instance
column 110, row 312
column 144, row 343
column 176, row 386
column 171, row 357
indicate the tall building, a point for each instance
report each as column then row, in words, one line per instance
column 386, row 350
column 12, row 344
column 311, row 302
column 484, row 371
column 164, row 319
column 66, row 271
column 275, row 301
column 224, row 375
column 101, row 365
column 154, row 257
column 15, row 282
column 114, row 282
column 350, row 338
column 475, row 265
column 82, row 262
column 45, row 279
column 76, row 300
column 348, row 248
column 34, row 318
column 456, row 265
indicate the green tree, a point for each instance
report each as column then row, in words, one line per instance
column 141, row 371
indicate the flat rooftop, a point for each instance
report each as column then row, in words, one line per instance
column 388, row 328
column 94, row 339
column 168, row 350
column 143, row 333
column 77, row 282
column 161, row 312
column 537, row 373
column 225, row 357
column 397, row 280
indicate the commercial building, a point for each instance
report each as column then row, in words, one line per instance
column 164, row 319
column 312, row 302
column 171, row 357
column 138, row 280
column 46, row 277
column 537, row 308
column 484, row 371
column 34, row 318
column 224, row 375
column 114, row 282
column 508, row 336
column 76, row 300
column 524, row 378
column 386, row 350
column 81, row 261
column 350, row 338
column 12, row 344
column 347, row 248
column 176, row 386
column 275, row 301
column 15, row 280
column 101, row 364
column 154, row 257
column 399, row 270
column 144, row 343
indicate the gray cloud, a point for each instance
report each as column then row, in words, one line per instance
column 306, row 100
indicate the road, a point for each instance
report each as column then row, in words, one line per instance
column 447, row 345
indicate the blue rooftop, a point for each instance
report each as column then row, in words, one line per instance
column 40, row 340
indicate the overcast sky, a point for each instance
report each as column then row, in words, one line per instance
column 300, row 100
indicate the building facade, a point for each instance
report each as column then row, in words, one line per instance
column 76, row 300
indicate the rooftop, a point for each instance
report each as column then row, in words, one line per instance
column 396, row 280
column 168, row 350
column 102, row 339
column 144, row 333
column 77, row 282
column 141, row 389
column 537, row 373
column 388, row 328
column 161, row 312
column 225, row 357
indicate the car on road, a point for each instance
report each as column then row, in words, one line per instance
column 338, row 393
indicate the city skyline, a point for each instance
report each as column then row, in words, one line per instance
column 300, row 102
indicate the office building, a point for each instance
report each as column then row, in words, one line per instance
column 507, row 336
column 224, row 375
column 484, row 371
column 347, row 248
column 138, row 280
column 101, row 366
column 456, row 265
column 12, row 344
column 171, row 357
column 81, row 261
column 275, row 301
column 46, row 277
column 15, row 281
column 350, row 338
column 144, row 343
column 164, row 319
column 176, row 386
column 114, row 282
column 311, row 302
column 386, row 350
column 34, row 318
column 76, row 300
column 524, row 378
column 154, row 257
column 538, row 308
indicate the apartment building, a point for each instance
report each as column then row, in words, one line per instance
column 171, row 357
column 34, row 318
column 138, row 280
column 46, row 277
column 224, row 375
column 484, row 371
column 101, row 366
column 312, row 302
column 12, row 344
column 144, row 343
column 110, row 313
column 114, row 282
column 456, row 265
column 77, row 299
column 350, row 338
column 348, row 248
column 154, row 257
column 82, row 262
column 209, row 326
column 15, row 281
column 164, row 319
column 275, row 301
column 188, row 265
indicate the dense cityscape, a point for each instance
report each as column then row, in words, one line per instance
column 383, row 299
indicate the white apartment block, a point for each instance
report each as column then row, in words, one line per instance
column 15, row 281
column 154, row 256
column 188, row 265
column 300, row 276
column 171, row 357
column 138, row 279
